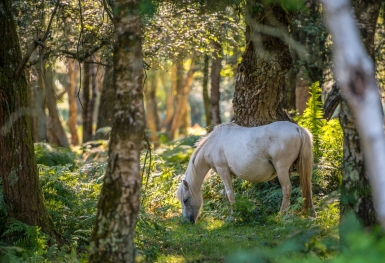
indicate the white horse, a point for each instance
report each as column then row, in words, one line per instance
column 255, row 154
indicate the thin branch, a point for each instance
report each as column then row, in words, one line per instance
column 34, row 45
column 109, row 13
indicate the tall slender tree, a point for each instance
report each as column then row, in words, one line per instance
column 118, row 207
column 216, row 66
column 72, row 106
column 356, row 194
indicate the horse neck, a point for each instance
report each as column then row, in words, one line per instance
column 196, row 172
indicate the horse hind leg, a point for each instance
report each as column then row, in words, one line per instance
column 284, row 180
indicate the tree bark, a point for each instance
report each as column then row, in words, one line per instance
column 94, row 95
column 289, row 90
column 56, row 133
column 152, row 114
column 356, row 194
column 118, row 206
column 216, row 66
column 38, row 100
column 107, row 101
column 206, row 97
column 87, row 126
column 265, row 62
column 18, row 170
column 72, row 106
column 354, row 71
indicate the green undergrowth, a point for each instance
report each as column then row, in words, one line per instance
column 255, row 232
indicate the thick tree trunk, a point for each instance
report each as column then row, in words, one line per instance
column 107, row 101
column 87, row 126
column 206, row 97
column 355, row 74
column 118, row 207
column 72, row 106
column 356, row 195
column 183, row 84
column 216, row 66
column 152, row 114
column 265, row 62
column 20, row 179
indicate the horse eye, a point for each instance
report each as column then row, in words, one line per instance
column 185, row 200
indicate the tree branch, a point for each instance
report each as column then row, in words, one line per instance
column 34, row 44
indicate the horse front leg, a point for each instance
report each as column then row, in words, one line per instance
column 225, row 175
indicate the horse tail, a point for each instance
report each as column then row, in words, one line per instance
column 305, row 168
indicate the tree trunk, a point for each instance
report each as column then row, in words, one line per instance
column 38, row 100
column 118, row 206
column 216, row 66
column 354, row 71
column 56, row 133
column 94, row 95
column 183, row 84
column 356, row 194
column 206, row 97
column 152, row 115
column 107, row 101
column 289, row 90
column 301, row 91
column 72, row 106
column 87, row 126
column 170, row 98
column 265, row 62
column 20, row 179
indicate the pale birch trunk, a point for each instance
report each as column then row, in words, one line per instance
column 118, row 207
column 354, row 71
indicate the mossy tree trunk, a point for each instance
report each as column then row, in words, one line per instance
column 265, row 62
column 118, row 206
column 356, row 194
column 18, row 170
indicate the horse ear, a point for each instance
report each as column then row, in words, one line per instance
column 185, row 184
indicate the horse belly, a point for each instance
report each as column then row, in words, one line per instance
column 256, row 171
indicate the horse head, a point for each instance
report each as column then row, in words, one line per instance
column 191, row 204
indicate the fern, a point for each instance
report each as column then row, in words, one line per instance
column 312, row 117
column 27, row 237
